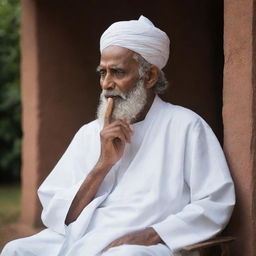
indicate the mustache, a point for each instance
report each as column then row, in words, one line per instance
column 114, row 93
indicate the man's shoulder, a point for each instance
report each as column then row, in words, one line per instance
column 92, row 125
column 184, row 120
column 181, row 114
column 89, row 128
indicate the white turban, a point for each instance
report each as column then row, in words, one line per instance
column 140, row 36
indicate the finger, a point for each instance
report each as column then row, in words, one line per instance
column 126, row 133
column 107, row 248
column 127, row 125
column 113, row 244
column 111, row 135
column 108, row 111
column 118, row 131
column 122, row 123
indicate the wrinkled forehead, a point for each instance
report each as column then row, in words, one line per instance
column 117, row 56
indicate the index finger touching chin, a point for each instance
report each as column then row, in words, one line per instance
column 109, row 110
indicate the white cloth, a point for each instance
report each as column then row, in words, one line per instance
column 140, row 36
column 44, row 243
column 47, row 243
column 172, row 177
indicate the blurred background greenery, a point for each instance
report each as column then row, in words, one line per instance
column 10, row 108
column 9, row 204
column 10, row 119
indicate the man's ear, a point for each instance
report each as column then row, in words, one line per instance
column 152, row 77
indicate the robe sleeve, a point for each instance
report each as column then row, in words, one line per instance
column 59, row 188
column 211, row 189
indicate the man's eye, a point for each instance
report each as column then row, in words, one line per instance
column 102, row 72
column 118, row 71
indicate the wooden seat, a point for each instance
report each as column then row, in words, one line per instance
column 205, row 248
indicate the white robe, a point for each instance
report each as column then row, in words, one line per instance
column 172, row 177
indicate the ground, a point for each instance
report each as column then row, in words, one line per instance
column 10, row 227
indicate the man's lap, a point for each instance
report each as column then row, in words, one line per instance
column 139, row 250
column 43, row 243
column 49, row 243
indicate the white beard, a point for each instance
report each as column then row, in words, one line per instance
column 127, row 106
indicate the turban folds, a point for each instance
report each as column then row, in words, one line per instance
column 140, row 36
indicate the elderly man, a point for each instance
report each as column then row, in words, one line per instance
column 145, row 178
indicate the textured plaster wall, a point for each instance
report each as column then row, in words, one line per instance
column 238, row 104
column 253, row 142
column 30, row 114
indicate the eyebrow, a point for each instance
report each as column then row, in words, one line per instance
column 99, row 68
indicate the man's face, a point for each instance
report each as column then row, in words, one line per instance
column 119, row 79
column 118, row 69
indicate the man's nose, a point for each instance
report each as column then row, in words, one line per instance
column 107, row 82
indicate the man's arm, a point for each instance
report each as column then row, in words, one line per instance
column 114, row 136
column 87, row 191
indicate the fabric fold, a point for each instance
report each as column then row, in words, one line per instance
column 140, row 36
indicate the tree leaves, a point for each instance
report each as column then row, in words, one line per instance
column 10, row 127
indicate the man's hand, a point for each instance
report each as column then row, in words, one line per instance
column 113, row 136
column 145, row 237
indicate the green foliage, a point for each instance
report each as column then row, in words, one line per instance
column 10, row 130
column 10, row 203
